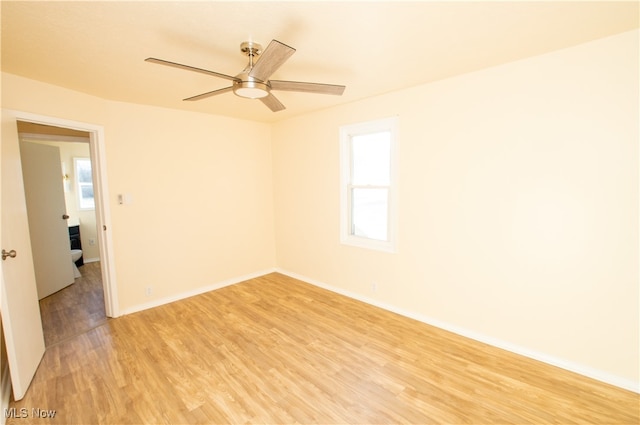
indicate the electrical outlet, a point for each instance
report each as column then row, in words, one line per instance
column 148, row 291
column 374, row 287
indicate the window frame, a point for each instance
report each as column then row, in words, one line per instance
column 346, row 163
column 80, row 184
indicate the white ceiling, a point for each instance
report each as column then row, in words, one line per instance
column 99, row 47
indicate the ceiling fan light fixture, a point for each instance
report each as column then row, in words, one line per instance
column 250, row 89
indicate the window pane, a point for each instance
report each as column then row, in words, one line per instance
column 369, row 209
column 86, row 196
column 84, row 170
column 371, row 158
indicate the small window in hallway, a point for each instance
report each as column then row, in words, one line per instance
column 84, row 183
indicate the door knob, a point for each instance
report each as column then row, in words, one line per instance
column 6, row 254
column 65, row 217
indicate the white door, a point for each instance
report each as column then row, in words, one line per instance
column 19, row 300
column 42, row 172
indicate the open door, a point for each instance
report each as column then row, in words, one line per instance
column 19, row 299
column 44, row 193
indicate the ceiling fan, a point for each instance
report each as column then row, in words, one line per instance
column 253, row 82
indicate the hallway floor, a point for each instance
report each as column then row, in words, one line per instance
column 75, row 309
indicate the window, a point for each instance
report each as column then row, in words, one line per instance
column 84, row 183
column 368, row 184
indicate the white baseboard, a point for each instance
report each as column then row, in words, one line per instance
column 5, row 394
column 90, row 260
column 193, row 292
column 505, row 345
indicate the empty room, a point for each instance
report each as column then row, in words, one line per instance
column 321, row 212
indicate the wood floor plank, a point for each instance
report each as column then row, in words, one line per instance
column 277, row 350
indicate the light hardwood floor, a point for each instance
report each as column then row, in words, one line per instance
column 277, row 350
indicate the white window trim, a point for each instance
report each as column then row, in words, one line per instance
column 346, row 132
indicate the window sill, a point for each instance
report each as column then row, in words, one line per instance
column 372, row 244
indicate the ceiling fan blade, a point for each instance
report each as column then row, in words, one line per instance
column 270, row 60
column 300, row 86
column 209, row 94
column 191, row 68
column 272, row 103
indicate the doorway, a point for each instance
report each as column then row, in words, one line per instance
column 63, row 169
column 81, row 140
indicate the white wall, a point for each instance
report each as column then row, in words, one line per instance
column 201, row 207
column 518, row 206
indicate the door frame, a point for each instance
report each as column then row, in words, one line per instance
column 100, row 188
